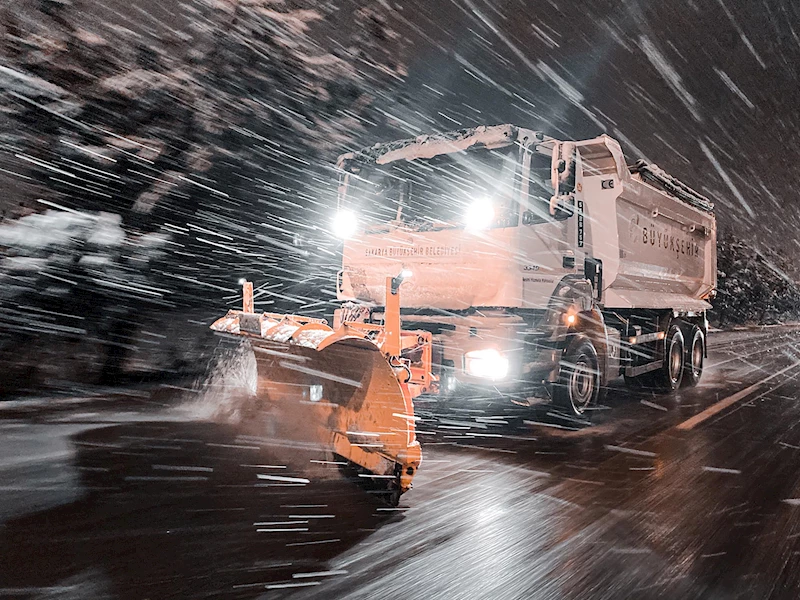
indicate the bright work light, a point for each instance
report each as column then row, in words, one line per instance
column 345, row 224
column 487, row 364
column 480, row 215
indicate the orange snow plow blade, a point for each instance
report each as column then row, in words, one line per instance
column 339, row 390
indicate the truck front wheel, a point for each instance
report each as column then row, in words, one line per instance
column 578, row 384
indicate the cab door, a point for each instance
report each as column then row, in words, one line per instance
column 548, row 243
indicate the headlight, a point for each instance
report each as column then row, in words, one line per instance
column 345, row 224
column 480, row 215
column 488, row 364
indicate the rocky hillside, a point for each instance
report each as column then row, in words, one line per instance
column 755, row 286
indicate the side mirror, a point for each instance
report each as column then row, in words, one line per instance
column 563, row 167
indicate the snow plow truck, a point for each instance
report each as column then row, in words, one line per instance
column 531, row 269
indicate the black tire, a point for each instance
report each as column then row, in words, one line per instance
column 668, row 378
column 578, row 385
column 695, row 357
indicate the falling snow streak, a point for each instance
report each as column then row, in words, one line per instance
column 727, row 179
column 670, row 75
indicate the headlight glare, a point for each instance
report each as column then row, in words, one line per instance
column 345, row 224
column 487, row 364
column 480, row 215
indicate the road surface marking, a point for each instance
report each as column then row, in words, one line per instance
column 726, row 402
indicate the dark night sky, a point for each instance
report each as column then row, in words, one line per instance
column 708, row 89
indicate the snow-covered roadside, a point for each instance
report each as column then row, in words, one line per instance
column 37, row 469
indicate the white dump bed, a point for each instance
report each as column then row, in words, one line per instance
column 658, row 250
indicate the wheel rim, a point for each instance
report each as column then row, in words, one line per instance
column 697, row 356
column 581, row 384
column 675, row 360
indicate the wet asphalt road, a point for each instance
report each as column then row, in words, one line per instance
column 129, row 495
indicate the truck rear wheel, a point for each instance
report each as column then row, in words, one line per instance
column 695, row 355
column 668, row 378
column 578, row 384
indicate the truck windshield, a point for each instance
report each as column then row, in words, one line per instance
column 436, row 193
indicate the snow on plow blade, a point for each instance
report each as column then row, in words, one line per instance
column 337, row 391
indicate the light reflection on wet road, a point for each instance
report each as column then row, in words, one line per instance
column 120, row 498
